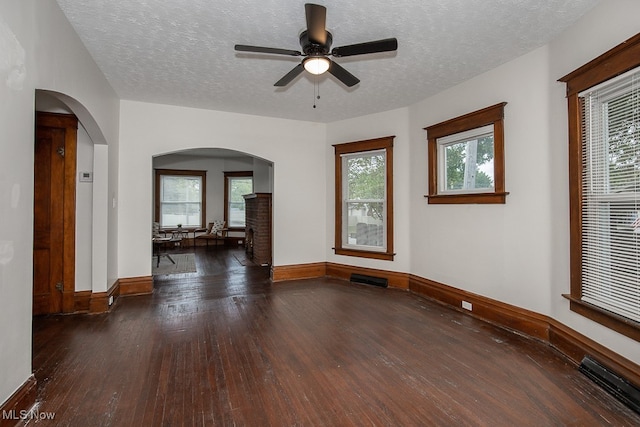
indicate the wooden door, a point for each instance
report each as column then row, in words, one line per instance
column 54, row 214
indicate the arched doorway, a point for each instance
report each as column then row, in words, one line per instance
column 226, row 175
column 84, row 215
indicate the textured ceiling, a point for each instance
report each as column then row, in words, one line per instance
column 181, row 52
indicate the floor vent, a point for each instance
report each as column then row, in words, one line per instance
column 369, row 280
column 619, row 387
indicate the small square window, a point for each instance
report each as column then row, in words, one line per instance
column 466, row 158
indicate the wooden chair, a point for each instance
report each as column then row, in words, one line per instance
column 215, row 231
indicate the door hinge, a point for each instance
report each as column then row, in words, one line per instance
column 59, row 286
column 60, row 151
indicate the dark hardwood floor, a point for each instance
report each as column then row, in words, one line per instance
column 224, row 346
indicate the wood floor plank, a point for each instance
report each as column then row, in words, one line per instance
column 223, row 346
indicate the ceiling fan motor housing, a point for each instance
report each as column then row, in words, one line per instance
column 315, row 49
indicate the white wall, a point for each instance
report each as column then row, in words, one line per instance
column 84, row 213
column 500, row 251
column 392, row 123
column 39, row 50
column 299, row 182
column 518, row 252
column 262, row 176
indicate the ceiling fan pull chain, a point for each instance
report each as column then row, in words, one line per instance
column 316, row 88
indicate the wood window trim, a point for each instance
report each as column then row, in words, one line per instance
column 620, row 59
column 183, row 172
column 227, row 175
column 385, row 143
column 493, row 115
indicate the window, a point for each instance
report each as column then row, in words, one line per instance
column 364, row 198
column 604, row 177
column 180, row 198
column 466, row 158
column 236, row 185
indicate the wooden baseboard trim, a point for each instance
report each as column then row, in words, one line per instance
column 99, row 302
column 341, row 271
column 576, row 346
column 298, row 271
column 82, row 300
column 22, row 400
column 141, row 285
column 564, row 339
column 502, row 314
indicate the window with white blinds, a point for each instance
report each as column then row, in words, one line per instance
column 611, row 195
column 180, row 198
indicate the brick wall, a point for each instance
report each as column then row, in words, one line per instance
column 258, row 227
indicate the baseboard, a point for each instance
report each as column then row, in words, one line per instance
column 576, row 346
column 340, row 271
column 502, row 314
column 298, row 271
column 141, row 285
column 99, row 302
column 22, row 400
column 82, row 300
column 567, row 341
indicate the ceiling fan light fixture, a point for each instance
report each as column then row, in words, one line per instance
column 316, row 64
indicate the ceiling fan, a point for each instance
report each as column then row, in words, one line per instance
column 316, row 48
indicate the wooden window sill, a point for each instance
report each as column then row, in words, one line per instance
column 468, row 198
column 627, row 327
column 365, row 254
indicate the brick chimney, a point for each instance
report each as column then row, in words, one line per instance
column 258, row 227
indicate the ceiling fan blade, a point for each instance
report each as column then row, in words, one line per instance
column 385, row 45
column 316, row 20
column 290, row 75
column 343, row 75
column 272, row 50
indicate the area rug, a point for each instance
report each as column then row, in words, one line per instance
column 184, row 263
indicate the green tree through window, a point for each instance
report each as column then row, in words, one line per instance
column 367, row 182
column 457, row 164
column 624, row 142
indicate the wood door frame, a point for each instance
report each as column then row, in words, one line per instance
column 69, row 123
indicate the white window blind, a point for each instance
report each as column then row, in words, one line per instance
column 611, row 195
column 180, row 200
column 238, row 187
